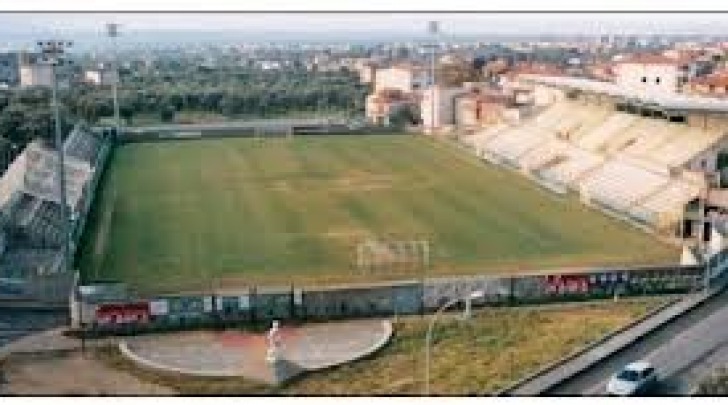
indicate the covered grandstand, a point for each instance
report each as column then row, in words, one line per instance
column 30, row 215
column 641, row 159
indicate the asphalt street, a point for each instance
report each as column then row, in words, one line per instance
column 682, row 352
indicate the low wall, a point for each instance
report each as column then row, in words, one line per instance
column 359, row 301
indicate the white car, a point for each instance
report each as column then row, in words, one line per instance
column 633, row 379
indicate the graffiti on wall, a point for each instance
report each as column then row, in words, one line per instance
column 123, row 313
column 438, row 292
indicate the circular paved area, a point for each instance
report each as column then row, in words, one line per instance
column 239, row 353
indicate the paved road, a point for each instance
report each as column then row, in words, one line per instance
column 682, row 351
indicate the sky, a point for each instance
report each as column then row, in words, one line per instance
column 401, row 22
column 30, row 26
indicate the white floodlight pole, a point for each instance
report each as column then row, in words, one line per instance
column 432, row 29
column 52, row 54
column 112, row 30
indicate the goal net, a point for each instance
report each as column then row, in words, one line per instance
column 392, row 256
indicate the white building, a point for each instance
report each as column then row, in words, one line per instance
column 650, row 75
column 36, row 75
column 406, row 78
column 441, row 112
column 100, row 76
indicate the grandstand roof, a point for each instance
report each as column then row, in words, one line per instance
column 667, row 102
column 655, row 59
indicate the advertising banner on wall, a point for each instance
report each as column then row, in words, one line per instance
column 123, row 313
column 244, row 302
column 207, row 304
column 158, row 307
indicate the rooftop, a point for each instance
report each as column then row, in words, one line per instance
column 680, row 102
column 656, row 59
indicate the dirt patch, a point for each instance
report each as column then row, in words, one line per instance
column 283, row 186
column 358, row 180
column 71, row 374
column 347, row 234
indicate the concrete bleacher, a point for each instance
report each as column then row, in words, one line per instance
column 614, row 124
column 22, row 263
column 83, row 145
column 550, row 118
column 634, row 166
column 478, row 140
column 37, row 223
column 689, row 143
column 671, row 198
column 648, row 136
column 41, row 179
column 619, row 184
column 30, row 214
column 543, row 155
column 510, row 144
column 572, row 164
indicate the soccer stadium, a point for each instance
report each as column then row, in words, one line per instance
column 592, row 179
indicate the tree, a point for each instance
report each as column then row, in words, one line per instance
column 166, row 113
column 402, row 117
column 126, row 112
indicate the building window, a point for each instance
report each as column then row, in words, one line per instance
column 644, row 79
column 657, row 81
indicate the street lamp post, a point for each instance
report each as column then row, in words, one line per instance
column 428, row 339
column 112, row 30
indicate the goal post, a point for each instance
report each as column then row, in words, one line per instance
column 376, row 257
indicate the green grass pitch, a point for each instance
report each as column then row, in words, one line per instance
column 225, row 212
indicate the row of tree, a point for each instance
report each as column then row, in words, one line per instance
column 26, row 114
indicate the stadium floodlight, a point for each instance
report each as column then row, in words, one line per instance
column 53, row 55
column 112, row 31
column 428, row 338
column 433, row 29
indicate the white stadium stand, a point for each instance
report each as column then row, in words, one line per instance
column 575, row 163
column 478, row 140
column 671, row 198
column 600, row 136
column 30, row 215
column 689, row 143
column 543, row 155
column 619, row 184
column 636, row 166
column 41, row 178
column 512, row 143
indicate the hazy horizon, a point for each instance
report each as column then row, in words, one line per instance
column 24, row 28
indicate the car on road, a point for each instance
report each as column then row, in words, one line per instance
column 635, row 378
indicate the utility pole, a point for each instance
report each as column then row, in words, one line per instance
column 112, row 30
